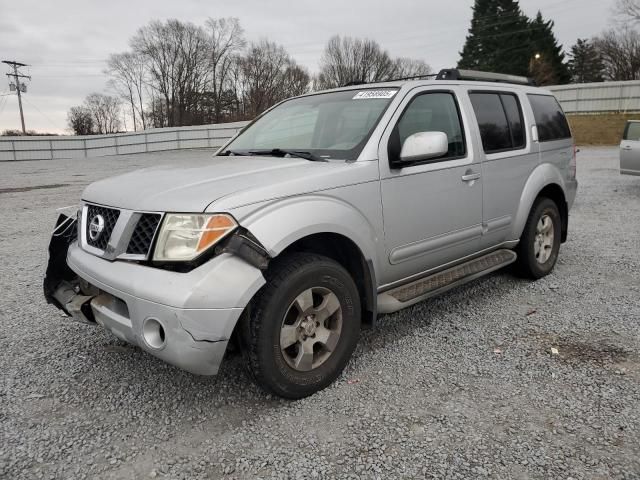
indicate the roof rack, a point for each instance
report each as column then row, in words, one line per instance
column 456, row 74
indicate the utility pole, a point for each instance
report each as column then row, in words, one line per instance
column 20, row 87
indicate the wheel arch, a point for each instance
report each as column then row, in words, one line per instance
column 545, row 181
column 345, row 252
column 327, row 226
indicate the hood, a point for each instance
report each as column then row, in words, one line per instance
column 192, row 186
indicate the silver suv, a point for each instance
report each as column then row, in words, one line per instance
column 325, row 211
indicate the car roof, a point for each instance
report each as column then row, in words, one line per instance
column 410, row 84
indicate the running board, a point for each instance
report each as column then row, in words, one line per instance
column 427, row 287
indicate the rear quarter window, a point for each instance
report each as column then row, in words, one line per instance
column 550, row 119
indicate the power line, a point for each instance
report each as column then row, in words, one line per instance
column 44, row 115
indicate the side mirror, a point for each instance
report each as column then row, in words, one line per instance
column 424, row 146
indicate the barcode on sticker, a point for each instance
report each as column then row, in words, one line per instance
column 367, row 94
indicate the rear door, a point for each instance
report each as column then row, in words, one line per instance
column 630, row 149
column 509, row 157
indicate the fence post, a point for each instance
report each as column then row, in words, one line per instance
column 13, row 147
column 51, row 148
column 115, row 140
column 178, row 137
column 146, row 142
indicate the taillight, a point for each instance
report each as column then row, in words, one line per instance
column 573, row 164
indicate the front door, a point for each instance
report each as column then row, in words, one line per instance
column 432, row 209
column 630, row 149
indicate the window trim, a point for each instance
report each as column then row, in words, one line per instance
column 499, row 93
column 626, row 132
column 395, row 166
column 536, row 121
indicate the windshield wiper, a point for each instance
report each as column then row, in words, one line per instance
column 237, row 153
column 280, row 152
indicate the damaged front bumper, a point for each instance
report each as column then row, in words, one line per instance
column 185, row 319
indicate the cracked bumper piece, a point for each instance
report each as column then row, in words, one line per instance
column 185, row 319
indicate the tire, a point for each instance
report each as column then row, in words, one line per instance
column 537, row 253
column 302, row 290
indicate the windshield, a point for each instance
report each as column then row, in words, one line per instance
column 327, row 125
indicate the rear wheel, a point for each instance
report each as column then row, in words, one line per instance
column 540, row 242
column 303, row 326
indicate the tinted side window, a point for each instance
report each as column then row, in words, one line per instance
column 632, row 132
column 514, row 116
column 550, row 119
column 492, row 120
column 433, row 112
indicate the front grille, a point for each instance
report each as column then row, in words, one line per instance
column 143, row 234
column 109, row 218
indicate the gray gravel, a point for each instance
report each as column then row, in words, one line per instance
column 464, row 386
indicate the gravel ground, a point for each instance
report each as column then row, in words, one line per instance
column 464, row 386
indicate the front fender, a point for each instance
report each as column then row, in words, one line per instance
column 280, row 223
column 542, row 176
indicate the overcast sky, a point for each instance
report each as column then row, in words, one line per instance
column 65, row 42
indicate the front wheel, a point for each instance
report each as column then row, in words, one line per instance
column 540, row 242
column 303, row 326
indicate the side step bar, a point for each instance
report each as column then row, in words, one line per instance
column 427, row 287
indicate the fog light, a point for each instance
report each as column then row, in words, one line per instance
column 153, row 333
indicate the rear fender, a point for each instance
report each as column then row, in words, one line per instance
column 544, row 175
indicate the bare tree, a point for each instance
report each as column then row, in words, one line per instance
column 409, row 67
column 346, row 60
column 176, row 54
column 226, row 40
column 127, row 71
column 628, row 10
column 80, row 120
column 542, row 72
column 620, row 54
column 266, row 75
column 105, row 112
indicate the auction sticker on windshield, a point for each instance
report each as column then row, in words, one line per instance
column 368, row 94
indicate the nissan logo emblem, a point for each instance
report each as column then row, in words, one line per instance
column 96, row 227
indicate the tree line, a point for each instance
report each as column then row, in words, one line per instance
column 178, row 73
column 503, row 39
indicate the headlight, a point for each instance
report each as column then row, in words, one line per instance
column 185, row 236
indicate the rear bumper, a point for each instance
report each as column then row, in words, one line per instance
column 185, row 319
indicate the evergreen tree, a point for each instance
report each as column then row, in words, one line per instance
column 585, row 64
column 503, row 39
column 546, row 49
column 498, row 38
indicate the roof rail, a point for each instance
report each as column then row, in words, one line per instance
column 456, row 74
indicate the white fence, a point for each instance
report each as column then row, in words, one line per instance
column 603, row 97
column 153, row 140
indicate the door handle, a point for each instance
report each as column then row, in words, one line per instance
column 470, row 177
column 627, row 148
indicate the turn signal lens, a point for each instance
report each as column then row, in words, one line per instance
column 216, row 228
column 184, row 236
